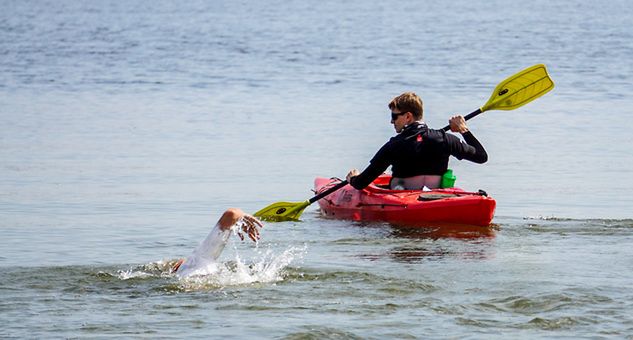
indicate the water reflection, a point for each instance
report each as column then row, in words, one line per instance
column 417, row 244
column 415, row 254
column 444, row 231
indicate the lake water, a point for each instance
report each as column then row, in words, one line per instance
column 127, row 128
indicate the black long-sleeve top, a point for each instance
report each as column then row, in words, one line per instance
column 419, row 150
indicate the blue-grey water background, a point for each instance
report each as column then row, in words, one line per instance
column 127, row 127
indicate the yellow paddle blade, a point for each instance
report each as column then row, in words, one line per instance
column 520, row 89
column 282, row 211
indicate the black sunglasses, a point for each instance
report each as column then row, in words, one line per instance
column 395, row 116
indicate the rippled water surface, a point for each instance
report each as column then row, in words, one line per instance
column 128, row 127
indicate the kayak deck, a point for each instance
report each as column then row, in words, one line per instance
column 452, row 206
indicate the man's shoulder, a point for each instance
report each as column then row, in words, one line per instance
column 434, row 135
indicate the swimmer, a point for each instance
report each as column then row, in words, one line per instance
column 211, row 247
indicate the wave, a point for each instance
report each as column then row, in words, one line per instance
column 563, row 225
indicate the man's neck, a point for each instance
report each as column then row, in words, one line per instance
column 414, row 123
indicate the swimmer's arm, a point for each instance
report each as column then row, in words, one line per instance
column 250, row 226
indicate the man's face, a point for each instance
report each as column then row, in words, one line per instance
column 399, row 119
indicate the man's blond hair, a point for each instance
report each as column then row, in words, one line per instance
column 408, row 102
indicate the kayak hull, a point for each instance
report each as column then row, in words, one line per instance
column 438, row 207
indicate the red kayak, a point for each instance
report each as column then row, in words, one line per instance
column 452, row 206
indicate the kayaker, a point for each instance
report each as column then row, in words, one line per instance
column 418, row 155
column 211, row 247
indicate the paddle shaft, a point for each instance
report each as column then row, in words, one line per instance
column 327, row 192
column 468, row 116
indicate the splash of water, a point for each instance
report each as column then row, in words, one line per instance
column 265, row 267
column 161, row 268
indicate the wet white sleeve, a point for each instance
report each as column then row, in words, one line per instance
column 206, row 253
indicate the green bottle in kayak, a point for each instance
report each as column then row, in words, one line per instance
column 448, row 179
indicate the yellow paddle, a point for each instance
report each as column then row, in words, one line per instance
column 291, row 211
column 516, row 91
column 510, row 94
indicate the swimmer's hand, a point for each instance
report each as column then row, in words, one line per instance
column 250, row 226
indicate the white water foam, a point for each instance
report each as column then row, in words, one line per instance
column 133, row 274
column 265, row 266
